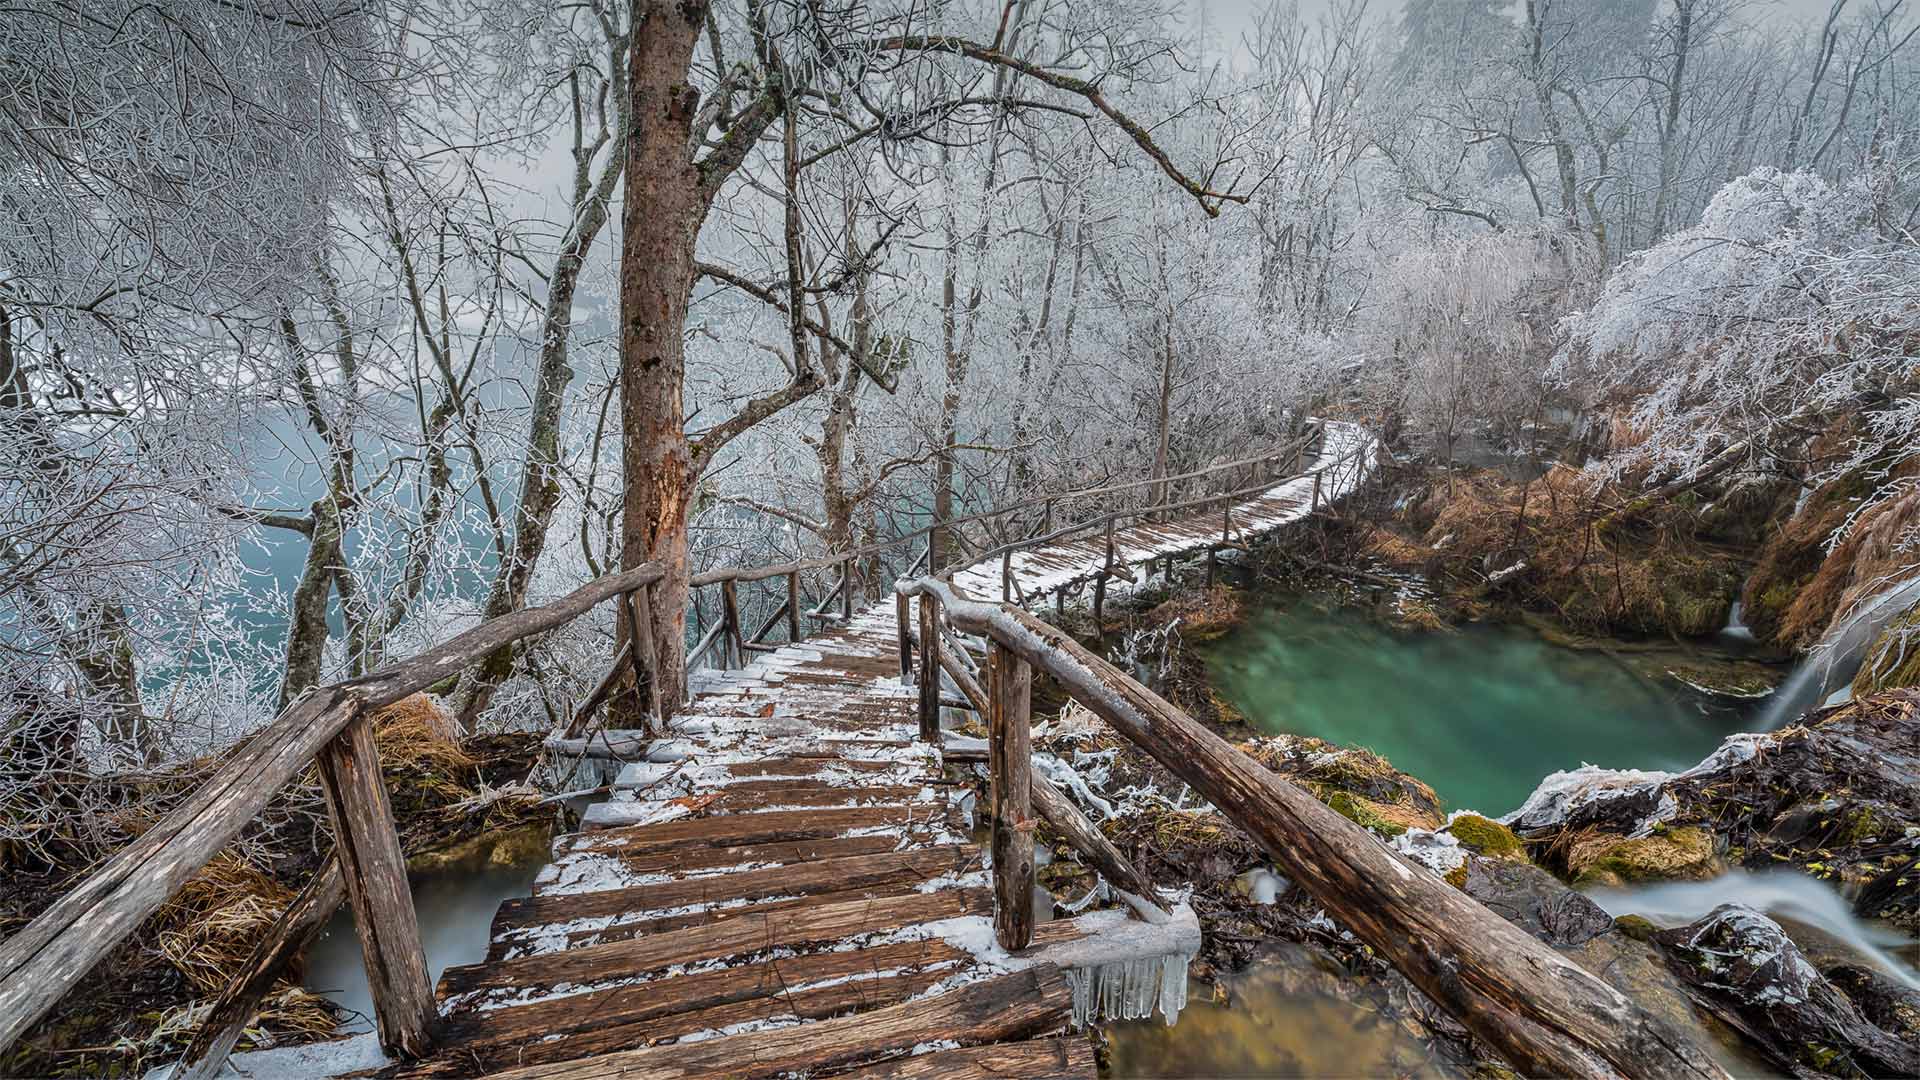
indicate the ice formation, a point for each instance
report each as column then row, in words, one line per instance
column 1130, row 989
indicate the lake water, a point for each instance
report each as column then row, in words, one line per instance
column 1481, row 712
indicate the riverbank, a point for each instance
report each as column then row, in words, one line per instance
column 457, row 803
column 1281, row 982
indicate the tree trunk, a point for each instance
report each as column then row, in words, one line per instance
column 662, row 217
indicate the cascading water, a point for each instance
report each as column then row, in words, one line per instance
column 1736, row 628
column 1825, row 674
column 1793, row 897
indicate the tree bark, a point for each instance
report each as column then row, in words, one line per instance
column 661, row 220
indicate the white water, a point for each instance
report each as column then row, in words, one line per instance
column 1736, row 629
column 1832, row 664
column 1790, row 896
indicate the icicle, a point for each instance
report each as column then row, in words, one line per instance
column 1130, row 989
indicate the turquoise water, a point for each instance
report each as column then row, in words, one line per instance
column 1481, row 712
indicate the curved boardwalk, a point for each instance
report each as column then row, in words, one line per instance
column 789, row 883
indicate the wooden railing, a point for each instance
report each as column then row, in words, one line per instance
column 1545, row 1014
column 330, row 728
column 727, row 642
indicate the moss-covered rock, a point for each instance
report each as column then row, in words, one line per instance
column 1678, row 854
column 1484, row 836
column 1637, row 927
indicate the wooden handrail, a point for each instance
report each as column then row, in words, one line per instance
column 1545, row 1014
column 330, row 725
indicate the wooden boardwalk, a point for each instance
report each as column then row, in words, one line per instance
column 790, row 882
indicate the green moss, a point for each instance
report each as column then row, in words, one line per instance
column 1488, row 837
column 1684, row 854
column 1635, row 927
column 1362, row 812
column 1457, row 877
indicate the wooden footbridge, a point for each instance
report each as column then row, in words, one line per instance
column 787, row 879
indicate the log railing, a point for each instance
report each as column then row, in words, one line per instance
column 329, row 728
column 1542, row 1012
column 725, row 644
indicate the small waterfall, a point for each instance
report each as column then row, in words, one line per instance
column 1823, row 677
column 1783, row 894
column 1736, row 629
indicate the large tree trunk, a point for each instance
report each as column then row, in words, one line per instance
column 661, row 220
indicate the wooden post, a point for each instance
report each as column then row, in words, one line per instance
column 1046, row 519
column 793, row 606
column 903, row 623
column 1009, row 761
column 846, row 589
column 1316, row 492
column 640, row 632
column 376, row 874
column 929, row 670
column 1006, row 575
column 733, row 647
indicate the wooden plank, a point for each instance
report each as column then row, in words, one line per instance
column 501, row 948
column 791, row 851
column 773, row 826
column 799, row 879
column 745, row 935
column 1013, row 1006
column 1065, row 1058
column 624, row 1017
column 1009, row 764
column 375, row 870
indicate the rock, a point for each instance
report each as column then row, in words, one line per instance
column 1670, row 855
column 1535, row 901
column 1742, row 966
column 1484, row 836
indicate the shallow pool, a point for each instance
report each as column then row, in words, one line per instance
column 1481, row 712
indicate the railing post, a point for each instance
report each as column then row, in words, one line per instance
column 1009, row 761
column 1046, row 519
column 846, row 589
column 1316, row 492
column 376, row 875
column 793, row 606
column 929, row 669
column 733, row 650
column 1006, row 576
column 902, row 623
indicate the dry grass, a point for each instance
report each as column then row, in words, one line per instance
column 1204, row 614
column 214, row 920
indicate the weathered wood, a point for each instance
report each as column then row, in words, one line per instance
column 1006, row 575
column 1009, row 764
column 623, row 1018
column 903, row 628
column 846, row 590
column 296, row 928
column 1086, row 838
column 801, row 879
column 1541, row 1011
column 578, row 723
column 730, row 618
column 774, row 827
column 637, row 606
column 1015, row 1006
column 375, row 870
column 750, row 933
column 793, row 606
column 929, row 705
column 1064, row 1058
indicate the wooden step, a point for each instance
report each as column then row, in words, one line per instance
column 1068, row 1057
column 762, row 828
column 802, row 879
column 1016, row 1006
column 516, row 942
column 812, row 986
column 745, row 935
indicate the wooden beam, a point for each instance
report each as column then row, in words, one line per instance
column 793, row 606
column 376, row 877
column 929, row 670
column 903, row 627
column 1009, row 757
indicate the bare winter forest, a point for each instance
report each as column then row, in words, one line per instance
column 331, row 330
